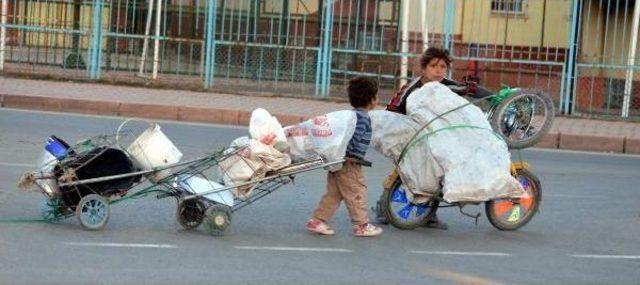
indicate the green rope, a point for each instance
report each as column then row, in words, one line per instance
column 56, row 217
column 26, row 220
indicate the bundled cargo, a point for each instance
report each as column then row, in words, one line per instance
column 254, row 157
column 457, row 153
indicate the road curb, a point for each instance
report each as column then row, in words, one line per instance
column 27, row 102
column 632, row 145
column 150, row 111
column 591, row 143
column 242, row 117
column 550, row 140
column 90, row 107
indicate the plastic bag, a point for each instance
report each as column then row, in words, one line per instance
column 418, row 169
column 327, row 135
column 253, row 161
column 476, row 162
column 200, row 185
column 266, row 129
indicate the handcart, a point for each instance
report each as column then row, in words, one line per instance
column 75, row 182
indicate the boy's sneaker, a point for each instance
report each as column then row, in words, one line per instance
column 319, row 227
column 366, row 230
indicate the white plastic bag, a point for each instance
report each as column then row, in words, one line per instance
column 327, row 135
column 200, row 185
column 266, row 129
column 476, row 162
column 418, row 169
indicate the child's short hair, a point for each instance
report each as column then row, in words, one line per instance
column 362, row 91
column 435, row 52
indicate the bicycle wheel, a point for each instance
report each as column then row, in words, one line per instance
column 402, row 213
column 523, row 118
column 512, row 214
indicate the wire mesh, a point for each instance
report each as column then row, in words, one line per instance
column 577, row 51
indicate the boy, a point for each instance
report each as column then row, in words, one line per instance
column 348, row 183
column 435, row 62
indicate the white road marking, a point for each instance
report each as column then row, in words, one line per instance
column 11, row 164
column 277, row 248
column 140, row 245
column 605, row 256
column 464, row 253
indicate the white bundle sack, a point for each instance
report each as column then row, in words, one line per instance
column 253, row 161
column 267, row 129
column 200, row 185
column 476, row 162
column 418, row 169
column 327, row 135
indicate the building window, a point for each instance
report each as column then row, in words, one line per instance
column 508, row 6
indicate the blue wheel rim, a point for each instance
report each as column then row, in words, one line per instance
column 403, row 209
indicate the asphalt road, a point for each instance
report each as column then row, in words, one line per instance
column 586, row 233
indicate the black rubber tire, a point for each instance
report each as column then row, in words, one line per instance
column 217, row 219
column 398, row 222
column 497, row 121
column 190, row 213
column 536, row 190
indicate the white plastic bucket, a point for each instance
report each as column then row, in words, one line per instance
column 152, row 149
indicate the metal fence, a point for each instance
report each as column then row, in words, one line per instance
column 582, row 52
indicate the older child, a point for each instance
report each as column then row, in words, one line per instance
column 348, row 184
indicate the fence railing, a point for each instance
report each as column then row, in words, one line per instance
column 582, row 52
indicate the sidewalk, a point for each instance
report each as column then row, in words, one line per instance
column 102, row 99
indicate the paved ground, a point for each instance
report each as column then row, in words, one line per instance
column 586, row 232
column 567, row 133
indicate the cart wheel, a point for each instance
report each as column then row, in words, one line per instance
column 218, row 218
column 93, row 212
column 190, row 213
column 512, row 214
